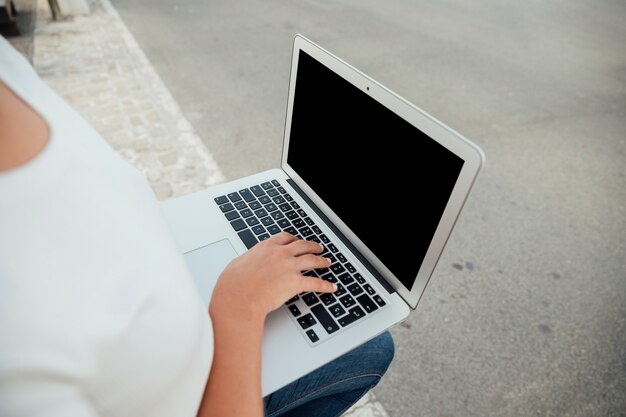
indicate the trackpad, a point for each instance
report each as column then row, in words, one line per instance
column 207, row 263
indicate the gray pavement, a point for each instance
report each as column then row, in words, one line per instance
column 526, row 311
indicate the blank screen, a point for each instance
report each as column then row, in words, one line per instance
column 388, row 181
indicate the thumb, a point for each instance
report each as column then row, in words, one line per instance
column 317, row 285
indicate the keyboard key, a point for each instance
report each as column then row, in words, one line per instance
column 263, row 237
column 283, row 223
column 337, row 268
column 331, row 257
column 281, row 189
column 234, row 197
column 226, row 207
column 264, row 200
column 298, row 223
column 368, row 288
column 276, row 183
column 329, row 277
column 346, row 279
column 336, row 310
column 232, row 215
column 347, row 301
column 255, row 205
column 340, row 290
column 273, row 229
column 357, row 312
column 277, row 215
column 313, row 238
column 267, row 185
column 285, row 207
column 310, row 299
column 292, row 299
column 317, row 229
column 247, row 238
column 221, row 200
column 258, row 191
column 321, row 271
column 238, row 224
column 347, row 320
column 260, row 213
column 288, row 197
column 312, row 336
column 350, row 267
column 333, row 248
column 306, row 321
column 258, row 229
column 252, row 221
column 267, row 221
column 240, row 205
column 327, row 299
column 295, row 205
column 294, row 310
column 309, row 274
column 291, row 230
column 301, row 212
column 324, row 238
column 341, row 257
column 246, row 213
column 352, row 316
column 305, row 231
column 325, row 319
column 278, row 200
column 379, row 300
column 367, row 303
column 272, row 192
column 359, row 278
column 247, row 195
column 292, row 215
column 308, row 221
column 355, row 289
column 271, row 207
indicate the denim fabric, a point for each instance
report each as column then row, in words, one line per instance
column 332, row 389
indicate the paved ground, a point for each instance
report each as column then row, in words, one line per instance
column 526, row 313
column 95, row 63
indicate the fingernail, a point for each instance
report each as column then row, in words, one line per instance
column 334, row 287
column 329, row 261
column 321, row 246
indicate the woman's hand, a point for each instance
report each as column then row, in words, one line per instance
column 266, row 276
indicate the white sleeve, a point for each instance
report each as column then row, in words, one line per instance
column 43, row 396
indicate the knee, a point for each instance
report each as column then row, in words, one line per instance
column 382, row 351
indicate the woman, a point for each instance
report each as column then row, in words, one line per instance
column 98, row 312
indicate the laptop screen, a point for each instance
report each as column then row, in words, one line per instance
column 388, row 181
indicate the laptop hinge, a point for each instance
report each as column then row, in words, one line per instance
column 343, row 238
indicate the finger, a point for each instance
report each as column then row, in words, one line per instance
column 306, row 262
column 316, row 285
column 303, row 247
column 282, row 238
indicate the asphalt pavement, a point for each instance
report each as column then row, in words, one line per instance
column 526, row 312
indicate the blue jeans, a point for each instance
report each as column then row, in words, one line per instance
column 332, row 389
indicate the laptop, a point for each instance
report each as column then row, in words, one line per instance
column 376, row 180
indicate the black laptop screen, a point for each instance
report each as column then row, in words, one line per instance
column 388, row 181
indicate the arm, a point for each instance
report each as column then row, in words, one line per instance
column 250, row 287
column 24, row 133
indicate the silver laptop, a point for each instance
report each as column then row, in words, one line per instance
column 376, row 180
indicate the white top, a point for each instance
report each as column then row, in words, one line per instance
column 98, row 312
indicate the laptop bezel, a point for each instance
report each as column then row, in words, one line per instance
column 471, row 154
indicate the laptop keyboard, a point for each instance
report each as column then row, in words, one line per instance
column 263, row 210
